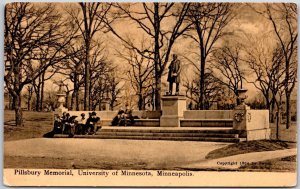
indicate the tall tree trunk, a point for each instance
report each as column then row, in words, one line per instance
column 37, row 94
column 10, row 102
column 288, row 111
column 202, row 65
column 157, row 94
column 77, row 101
column 42, row 90
column 140, row 101
column 29, row 99
column 272, row 109
column 277, row 123
column 99, row 105
column 268, row 104
column 76, row 90
column 156, row 58
column 67, row 99
column 18, row 110
column 86, row 102
column 202, row 80
column 17, row 96
column 72, row 100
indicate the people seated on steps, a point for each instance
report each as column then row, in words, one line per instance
column 123, row 117
column 72, row 125
column 80, row 127
column 91, row 123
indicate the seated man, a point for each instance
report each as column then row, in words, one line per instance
column 69, row 125
column 90, row 123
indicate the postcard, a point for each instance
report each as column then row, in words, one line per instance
column 150, row 94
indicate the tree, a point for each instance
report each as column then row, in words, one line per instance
column 100, row 69
column 266, row 65
column 90, row 20
column 72, row 68
column 38, row 86
column 114, row 89
column 227, row 67
column 29, row 30
column 28, row 96
column 213, row 87
column 208, row 21
column 163, row 23
column 283, row 18
column 140, row 73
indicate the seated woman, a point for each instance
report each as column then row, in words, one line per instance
column 58, row 125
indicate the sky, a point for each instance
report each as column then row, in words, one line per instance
column 246, row 22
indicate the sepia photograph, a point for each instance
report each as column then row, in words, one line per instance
column 150, row 94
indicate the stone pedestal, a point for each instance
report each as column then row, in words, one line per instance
column 60, row 109
column 172, row 110
column 251, row 124
column 105, row 105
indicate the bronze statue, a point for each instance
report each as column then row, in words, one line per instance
column 174, row 75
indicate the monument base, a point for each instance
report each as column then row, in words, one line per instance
column 170, row 121
column 172, row 110
column 252, row 124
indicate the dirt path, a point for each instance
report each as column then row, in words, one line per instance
column 104, row 154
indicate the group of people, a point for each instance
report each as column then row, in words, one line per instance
column 71, row 125
column 123, row 117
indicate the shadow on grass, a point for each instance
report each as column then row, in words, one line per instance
column 248, row 147
column 285, row 164
column 49, row 135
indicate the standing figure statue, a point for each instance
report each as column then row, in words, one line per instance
column 174, row 75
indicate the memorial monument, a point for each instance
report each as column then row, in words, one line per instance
column 250, row 124
column 60, row 99
column 173, row 106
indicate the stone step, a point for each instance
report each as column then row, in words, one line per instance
column 218, row 135
column 183, row 123
column 168, row 130
column 146, row 122
column 207, row 139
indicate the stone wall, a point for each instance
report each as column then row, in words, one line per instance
column 208, row 114
column 188, row 114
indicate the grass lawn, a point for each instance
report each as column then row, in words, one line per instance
column 289, row 135
column 288, row 164
column 250, row 146
column 36, row 124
